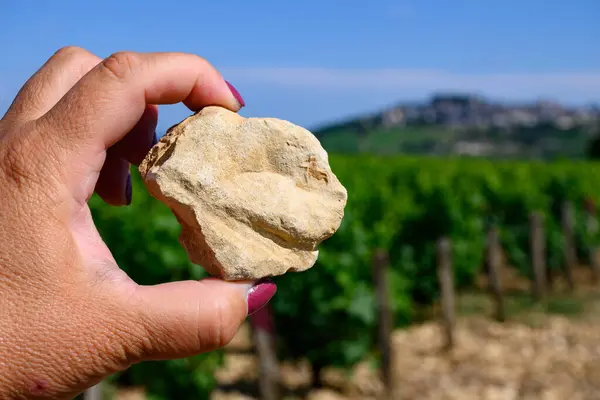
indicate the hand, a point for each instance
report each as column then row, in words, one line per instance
column 69, row 316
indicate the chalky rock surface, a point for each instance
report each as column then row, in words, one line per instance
column 254, row 196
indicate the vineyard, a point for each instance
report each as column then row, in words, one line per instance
column 401, row 205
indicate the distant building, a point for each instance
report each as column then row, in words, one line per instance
column 471, row 111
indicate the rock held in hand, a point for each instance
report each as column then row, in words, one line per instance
column 254, row 196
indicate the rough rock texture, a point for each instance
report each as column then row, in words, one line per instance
column 254, row 196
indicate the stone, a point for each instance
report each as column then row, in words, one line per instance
column 254, row 196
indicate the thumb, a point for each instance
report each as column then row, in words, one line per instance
column 182, row 319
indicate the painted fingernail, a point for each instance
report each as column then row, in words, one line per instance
column 128, row 190
column 260, row 294
column 236, row 94
column 154, row 139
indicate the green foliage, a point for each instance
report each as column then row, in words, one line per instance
column 403, row 205
column 399, row 204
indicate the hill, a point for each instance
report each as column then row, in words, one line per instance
column 468, row 125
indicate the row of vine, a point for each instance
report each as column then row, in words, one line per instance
column 401, row 204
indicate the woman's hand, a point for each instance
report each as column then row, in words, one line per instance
column 68, row 315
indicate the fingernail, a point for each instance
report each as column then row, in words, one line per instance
column 128, row 190
column 236, row 94
column 154, row 139
column 260, row 294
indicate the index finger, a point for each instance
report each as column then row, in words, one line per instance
column 108, row 101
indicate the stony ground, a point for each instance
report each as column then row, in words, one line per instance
column 545, row 352
column 560, row 359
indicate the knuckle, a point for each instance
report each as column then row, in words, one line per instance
column 69, row 52
column 220, row 332
column 76, row 58
column 121, row 64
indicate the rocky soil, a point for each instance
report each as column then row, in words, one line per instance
column 535, row 355
column 559, row 359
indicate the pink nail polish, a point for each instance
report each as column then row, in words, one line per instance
column 236, row 94
column 260, row 294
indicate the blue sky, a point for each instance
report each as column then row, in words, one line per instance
column 314, row 61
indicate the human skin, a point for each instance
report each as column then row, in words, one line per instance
column 69, row 316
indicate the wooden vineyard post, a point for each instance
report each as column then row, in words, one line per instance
column 94, row 393
column 592, row 231
column 380, row 273
column 446, row 279
column 538, row 254
column 570, row 255
column 263, row 337
column 494, row 264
